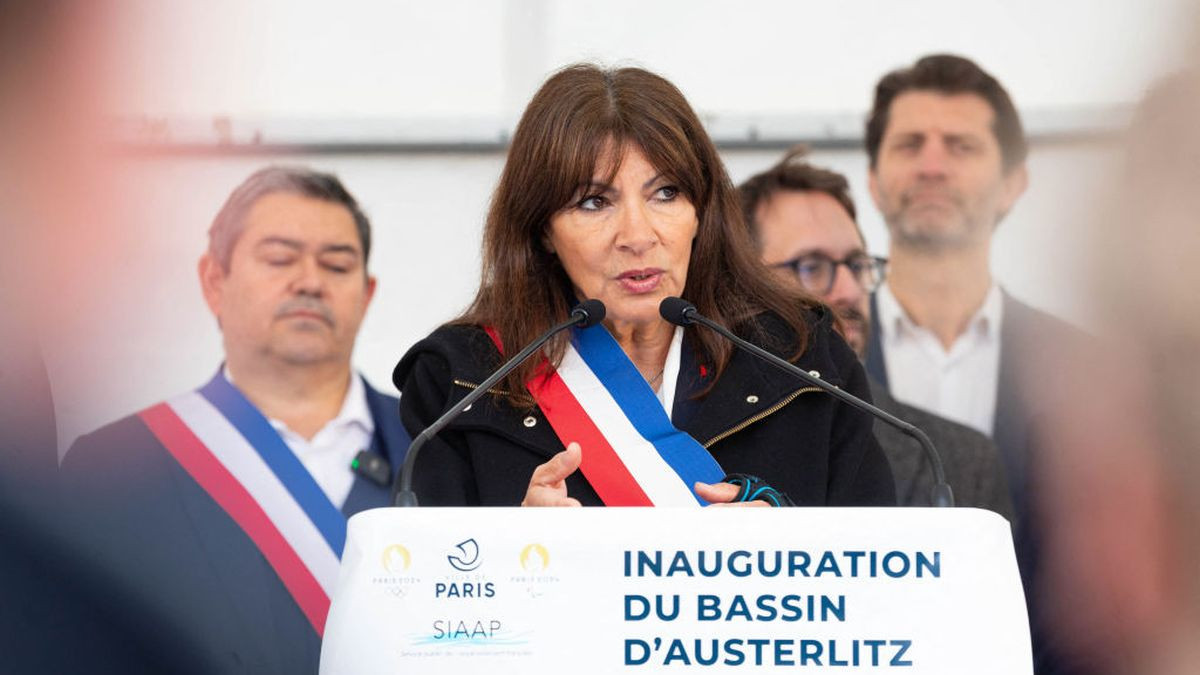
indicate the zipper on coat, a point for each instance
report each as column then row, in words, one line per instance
column 719, row 437
column 759, row 416
column 472, row 385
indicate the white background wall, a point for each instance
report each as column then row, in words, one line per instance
column 465, row 57
column 456, row 66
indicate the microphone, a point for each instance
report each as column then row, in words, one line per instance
column 585, row 315
column 682, row 313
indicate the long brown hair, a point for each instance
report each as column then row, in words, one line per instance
column 578, row 113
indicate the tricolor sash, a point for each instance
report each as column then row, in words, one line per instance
column 632, row 454
column 230, row 449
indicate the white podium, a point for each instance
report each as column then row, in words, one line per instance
column 510, row 590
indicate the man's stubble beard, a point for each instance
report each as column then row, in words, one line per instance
column 909, row 232
column 851, row 316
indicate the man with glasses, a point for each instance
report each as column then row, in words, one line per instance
column 802, row 218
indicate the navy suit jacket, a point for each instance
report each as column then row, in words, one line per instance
column 49, row 623
column 166, row 557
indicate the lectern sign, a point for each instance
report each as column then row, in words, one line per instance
column 685, row 590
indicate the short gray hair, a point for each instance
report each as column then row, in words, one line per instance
column 230, row 221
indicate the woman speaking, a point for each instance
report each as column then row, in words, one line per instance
column 613, row 191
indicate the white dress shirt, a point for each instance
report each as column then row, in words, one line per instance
column 959, row 384
column 670, row 374
column 329, row 454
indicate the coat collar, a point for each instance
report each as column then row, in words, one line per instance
column 747, row 388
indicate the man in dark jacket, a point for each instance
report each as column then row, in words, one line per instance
column 803, row 221
column 217, row 518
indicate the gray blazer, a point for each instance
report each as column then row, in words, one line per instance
column 1032, row 343
column 1027, row 336
column 970, row 459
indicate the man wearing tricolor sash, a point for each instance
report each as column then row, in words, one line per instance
column 219, row 515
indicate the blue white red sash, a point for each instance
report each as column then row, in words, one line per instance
column 632, row 454
column 230, row 449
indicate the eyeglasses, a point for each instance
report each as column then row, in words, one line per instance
column 817, row 272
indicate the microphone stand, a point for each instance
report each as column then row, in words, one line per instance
column 681, row 313
column 586, row 314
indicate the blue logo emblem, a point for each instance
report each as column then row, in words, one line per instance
column 468, row 557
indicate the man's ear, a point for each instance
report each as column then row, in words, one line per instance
column 1012, row 186
column 1015, row 182
column 873, row 187
column 371, row 284
column 212, row 283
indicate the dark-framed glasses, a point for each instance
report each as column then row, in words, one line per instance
column 818, row 272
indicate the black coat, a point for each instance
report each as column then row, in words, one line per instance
column 755, row 420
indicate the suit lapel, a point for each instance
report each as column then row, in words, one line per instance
column 1010, row 429
column 389, row 441
column 906, row 465
column 875, row 365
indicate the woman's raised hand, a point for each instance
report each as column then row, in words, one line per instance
column 548, row 485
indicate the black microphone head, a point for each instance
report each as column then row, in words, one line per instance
column 588, row 313
column 676, row 310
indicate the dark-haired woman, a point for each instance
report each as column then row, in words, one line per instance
column 612, row 190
